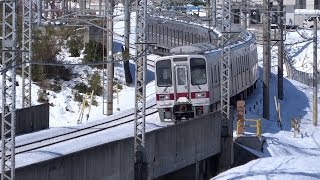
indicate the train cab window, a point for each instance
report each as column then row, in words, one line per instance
column 164, row 73
column 198, row 71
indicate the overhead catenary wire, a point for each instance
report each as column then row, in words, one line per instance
column 134, row 59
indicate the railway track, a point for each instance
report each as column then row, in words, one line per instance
column 77, row 133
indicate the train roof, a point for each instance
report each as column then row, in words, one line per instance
column 192, row 48
column 202, row 48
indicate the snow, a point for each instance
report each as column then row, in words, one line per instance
column 287, row 167
column 284, row 156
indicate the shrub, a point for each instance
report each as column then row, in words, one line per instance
column 95, row 84
column 75, row 44
column 94, row 102
column 56, row 87
column 78, row 97
column 82, row 88
column 93, row 52
column 45, row 49
column 43, row 96
column 118, row 86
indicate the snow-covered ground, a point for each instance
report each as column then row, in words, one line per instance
column 285, row 156
column 64, row 110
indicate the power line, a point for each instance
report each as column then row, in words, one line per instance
column 71, row 64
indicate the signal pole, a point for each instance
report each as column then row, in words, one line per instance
column 8, row 119
column 280, row 50
column 266, row 57
column 315, row 74
column 140, row 164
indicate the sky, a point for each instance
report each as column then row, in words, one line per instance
column 284, row 155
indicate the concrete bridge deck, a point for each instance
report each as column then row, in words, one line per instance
column 168, row 149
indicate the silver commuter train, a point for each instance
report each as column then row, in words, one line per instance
column 188, row 82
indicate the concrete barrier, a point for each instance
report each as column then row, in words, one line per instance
column 168, row 149
column 31, row 119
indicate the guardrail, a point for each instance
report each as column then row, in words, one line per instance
column 242, row 125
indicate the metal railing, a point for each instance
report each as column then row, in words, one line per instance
column 249, row 123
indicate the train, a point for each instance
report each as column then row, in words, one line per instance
column 188, row 79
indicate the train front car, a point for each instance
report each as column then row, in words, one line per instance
column 182, row 87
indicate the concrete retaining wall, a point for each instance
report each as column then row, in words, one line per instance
column 31, row 119
column 168, row 149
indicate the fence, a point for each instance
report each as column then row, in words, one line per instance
column 32, row 118
column 303, row 77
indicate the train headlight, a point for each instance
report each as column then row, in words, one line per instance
column 163, row 97
column 198, row 95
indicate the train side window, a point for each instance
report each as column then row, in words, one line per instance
column 231, row 69
column 237, row 65
column 244, row 63
column 215, row 74
column 218, row 75
column 212, row 74
column 247, row 61
column 241, row 64
column 238, row 72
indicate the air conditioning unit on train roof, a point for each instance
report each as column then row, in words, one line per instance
column 192, row 48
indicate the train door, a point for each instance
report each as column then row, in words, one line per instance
column 182, row 89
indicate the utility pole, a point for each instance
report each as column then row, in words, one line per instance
column 8, row 118
column 108, row 57
column 110, row 66
column 214, row 13
column 140, row 164
column 100, row 7
column 26, row 52
column 243, row 14
column 39, row 12
column 280, row 50
column 82, row 5
column 126, row 53
column 315, row 73
column 266, row 57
